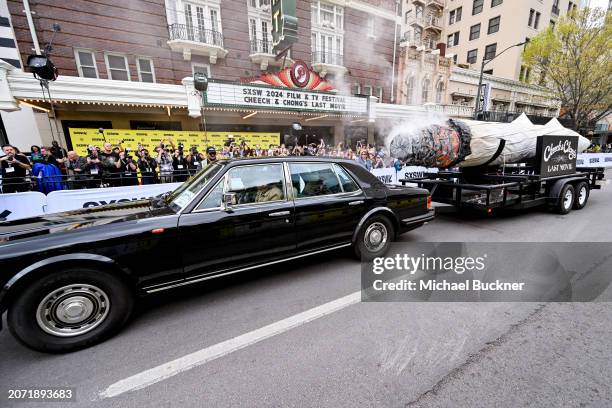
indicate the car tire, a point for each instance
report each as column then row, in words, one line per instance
column 69, row 310
column 374, row 238
column 566, row 199
column 582, row 195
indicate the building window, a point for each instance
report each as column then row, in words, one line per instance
column 455, row 59
column 263, row 5
column 475, row 32
column 477, row 7
column 203, row 23
column 472, row 55
column 496, row 2
column 453, row 39
column 488, row 72
column 537, row 20
column 259, row 33
column 367, row 90
column 117, row 67
column 454, row 16
column 531, row 15
column 439, row 91
column 145, row 70
column 379, row 93
column 494, row 25
column 410, row 91
column 490, row 51
column 408, row 15
column 86, row 63
column 327, row 33
column 201, row 69
column 356, row 89
column 425, row 90
column 371, row 27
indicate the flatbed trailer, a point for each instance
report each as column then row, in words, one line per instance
column 510, row 187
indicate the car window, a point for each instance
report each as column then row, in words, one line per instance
column 213, row 199
column 180, row 197
column 313, row 179
column 348, row 184
column 256, row 184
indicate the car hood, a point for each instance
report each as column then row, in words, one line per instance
column 78, row 219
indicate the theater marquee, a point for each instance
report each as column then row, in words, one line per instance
column 255, row 97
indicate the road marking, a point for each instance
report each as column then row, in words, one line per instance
column 197, row 358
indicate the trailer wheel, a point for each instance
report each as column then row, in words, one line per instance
column 582, row 195
column 566, row 199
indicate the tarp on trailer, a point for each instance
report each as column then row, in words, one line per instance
column 469, row 143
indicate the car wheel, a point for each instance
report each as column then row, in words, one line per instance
column 582, row 195
column 566, row 199
column 70, row 310
column 374, row 238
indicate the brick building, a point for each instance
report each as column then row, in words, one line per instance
column 128, row 65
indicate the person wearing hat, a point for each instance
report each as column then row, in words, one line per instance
column 211, row 154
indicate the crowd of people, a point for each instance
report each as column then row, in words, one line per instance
column 47, row 169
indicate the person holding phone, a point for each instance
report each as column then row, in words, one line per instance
column 14, row 169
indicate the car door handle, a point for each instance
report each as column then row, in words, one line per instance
column 358, row 202
column 279, row 214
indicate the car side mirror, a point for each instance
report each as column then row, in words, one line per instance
column 227, row 201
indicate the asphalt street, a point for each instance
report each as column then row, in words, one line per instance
column 359, row 354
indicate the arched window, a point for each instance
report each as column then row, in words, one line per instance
column 425, row 90
column 440, row 91
column 410, row 90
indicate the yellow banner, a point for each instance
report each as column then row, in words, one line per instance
column 82, row 138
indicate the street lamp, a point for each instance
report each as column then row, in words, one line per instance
column 485, row 62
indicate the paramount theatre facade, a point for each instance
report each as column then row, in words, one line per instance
column 126, row 73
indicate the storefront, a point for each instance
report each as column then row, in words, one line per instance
column 295, row 105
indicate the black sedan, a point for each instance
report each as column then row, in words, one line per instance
column 70, row 279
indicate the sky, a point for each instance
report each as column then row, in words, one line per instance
column 598, row 3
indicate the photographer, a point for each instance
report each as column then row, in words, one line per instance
column 76, row 167
column 14, row 168
column 147, row 166
column 179, row 164
column 110, row 164
column 194, row 161
column 128, row 169
column 164, row 160
column 94, row 167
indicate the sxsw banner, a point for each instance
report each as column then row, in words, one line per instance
column 31, row 204
column 391, row 176
column 65, row 200
column 22, row 205
column 594, row 160
column 149, row 139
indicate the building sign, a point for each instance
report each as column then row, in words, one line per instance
column 557, row 155
column 82, row 138
column 284, row 24
column 274, row 98
column 297, row 76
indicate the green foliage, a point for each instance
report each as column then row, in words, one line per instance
column 574, row 60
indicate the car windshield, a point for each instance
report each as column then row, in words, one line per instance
column 180, row 197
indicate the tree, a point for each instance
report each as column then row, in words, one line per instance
column 574, row 60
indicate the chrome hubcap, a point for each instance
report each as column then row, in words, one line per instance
column 375, row 236
column 72, row 310
column 582, row 195
column 567, row 200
